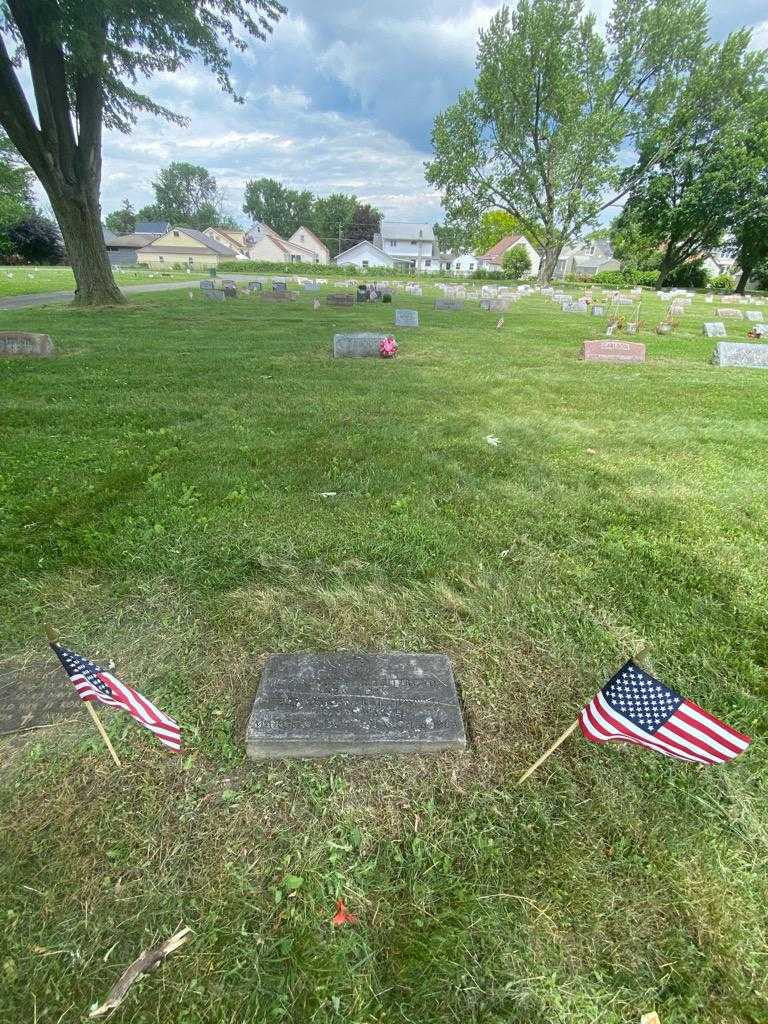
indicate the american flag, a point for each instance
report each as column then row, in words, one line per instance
column 636, row 708
column 95, row 683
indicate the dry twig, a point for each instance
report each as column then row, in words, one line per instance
column 146, row 962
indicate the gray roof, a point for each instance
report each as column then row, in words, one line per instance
column 107, row 233
column 407, row 231
column 133, row 241
column 152, row 227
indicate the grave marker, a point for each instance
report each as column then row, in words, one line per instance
column 726, row 311
column 613, row 352
column 598, row 310
column 741, row 353
column 406, row 318
column 340, row 300
column 20, row 343
column 714, row 330
column 278, row 296
column 448, row 306
column 357, row 346
column 317, row 705
column 214, row 294
column 754, row 315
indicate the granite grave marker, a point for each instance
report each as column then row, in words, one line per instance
column 20, row 343
column 406, row 318
column 361, row 345
column 613, row 352
column 741, row 353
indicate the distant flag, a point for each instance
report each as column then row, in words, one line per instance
column 634, row 707
column 94, row 683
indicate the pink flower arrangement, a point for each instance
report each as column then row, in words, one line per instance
column 387, row 348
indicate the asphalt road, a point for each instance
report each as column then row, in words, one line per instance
column 44, row 298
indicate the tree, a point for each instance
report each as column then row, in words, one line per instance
column 684, row 205
column 555, row 108
column 366, row 222
column 332, row 218
column 37, row 240
column 16, row 199
column 84, row 61
column 186, row 194
column 283, row 209
column 122, row 221
column 452, row 237
column 516, row 262
column 494, row 225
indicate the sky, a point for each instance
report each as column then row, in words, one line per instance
column 341, row 98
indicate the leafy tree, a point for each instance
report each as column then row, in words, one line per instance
column 516, row 262
column 85, row 59
column 37, row 240
column 452, row 237
column 494, row 225
column 556, row 107
column 332, row 218
column 16, row 199
column 366, row 222
column 683, row 206
column 186, row 194
column 122, row 221
column 283, row 209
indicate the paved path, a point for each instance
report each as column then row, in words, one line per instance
column 44, row 298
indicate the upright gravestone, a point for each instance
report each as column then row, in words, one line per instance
column 279, row 286
column 613, row 352
column 448, row 306
column 317, row 705
column 207, row 284
column 741, row 353
column 406, row 318
column 714, row 330
column 214, row 294
column 754, row 315
column 362, row 345
column 598, row 310
column 19, row 343
column 340, row 300
column 311, row 286
column 494, row 305
column 254, row 286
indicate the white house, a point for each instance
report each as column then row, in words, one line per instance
column 465, row 263
column 364, row 254
column 264, row 243
column 585, row 259
column 493, row 259
column 305, row 239
column 411, row 246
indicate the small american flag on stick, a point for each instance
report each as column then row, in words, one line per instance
column 94, row 683
column 634, row 707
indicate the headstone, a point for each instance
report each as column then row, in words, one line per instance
column 357, row 346
column 714, row 330
column 279, row 286
column 254, row 286
column 580, row 306
column 494, row 305
column 340, row 300
column 214, row 294
column 726, row 311
column 598, row 310
column 230, row 290
column 761, row 330
column 741, row 353
column 278, row 296
column 414, row 289
column 33, row 696
column 207, row 284
column 311, row 286
column 317, row 705
column 448, row 306
column 623, row 300
column 406, row 318
column 754, row 315
column 19, row 343
column 613, row 352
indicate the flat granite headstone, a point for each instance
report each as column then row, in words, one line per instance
column 317, row 705
column 340, row 300
column 278, row 296
column 214, row 294
column 741, row 353
column 714, row 330
column 754, row 315
column 37, row 694
column 494, row 305
column 727, row 311
column 406, row 318
column 361, row 345
column 310, row 286
column 254, row 286
column 19, row 343
column 448, row 306
column 613, row 352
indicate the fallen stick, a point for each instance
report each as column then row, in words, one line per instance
column 146, row 962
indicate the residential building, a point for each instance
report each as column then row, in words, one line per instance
column 719, row 262
column 493, row 258
column 364, row 254
column 123, row 249
column 232, row 239
column 411, row 246
column 186, row 247
column 264, row 243
column 306, row 239
column 465, row 263
column 585, row 259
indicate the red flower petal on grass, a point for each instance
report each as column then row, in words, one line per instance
column 342, row 915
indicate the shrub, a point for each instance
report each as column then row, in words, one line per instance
column 37, row 240
column 722, row 283
column 692, row 275
column 625, row 278
column 516, row 262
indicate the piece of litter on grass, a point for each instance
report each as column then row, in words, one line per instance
column 650, row 1018
column 591, row 451
column 342, row 915
column 493, row 441
column 500, row 323
column 143, row 964
column 328, row 494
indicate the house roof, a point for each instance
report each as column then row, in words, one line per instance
column 152, row 227
column 363, row 242
column 407, row 231
column 107, row 233
column 235, row 236
column 496, row 252
column 135, row 240
column 208, row 242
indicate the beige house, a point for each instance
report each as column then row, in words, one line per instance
column 305, row 239
column 264, row 243
column 186, row 247
column 231, row 239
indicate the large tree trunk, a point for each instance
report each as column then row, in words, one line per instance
column 741, row 287
column 668, row 264
column 80, row 224
column 548, row 264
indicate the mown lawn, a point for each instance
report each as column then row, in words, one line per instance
column 35, row 280
column 160, row 504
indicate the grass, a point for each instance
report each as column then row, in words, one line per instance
column 35, row 280
column 160, row 503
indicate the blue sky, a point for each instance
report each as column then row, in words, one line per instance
column 341, row 98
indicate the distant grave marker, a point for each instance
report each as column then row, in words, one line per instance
column 285, row 296
column 406, row 318
column 597, row 310
column 20, row 343
column 494, row 305
column 613, row 352
column 311, row 286
column 754, row 315
column 741, row 353
column 279, row 286
column 726, row 311
column 448, row 306
column 362, row 345
column 214, row 294
column 714, row 330
column 317, row 705
column 254, row 286
column 340, row 300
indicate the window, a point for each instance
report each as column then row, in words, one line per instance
column 190, row 259
column 393, row 243
column 301, row 237
column 365, row 263
column 162, row 259
column 427, row 263
column 471, row 266
column 175, row 234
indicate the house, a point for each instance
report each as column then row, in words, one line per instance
column 232, row 239
column 184, row 246
column 307, row 239
column 718, row 262
column 493, row 258
column 585, row 259
column 264, row 243
column 107, row 234
column 364, row 254
column 465, row 263
column 411, row 246
column 152, row 227
column 123, row 249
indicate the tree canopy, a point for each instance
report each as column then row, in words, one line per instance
column 187, row 194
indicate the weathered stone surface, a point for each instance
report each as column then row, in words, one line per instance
column 495, row 305
column 741, row 353
column 358, row 346
column 448, row 306
column 316, row 705
column 310, row 286
column 278, row 286
column 214, row 294
column 207, row 284
column 340, row 300
column 406, row 318
column 278, row 296
column 754, row 315
column 613, row 352
column 577, row 306
column 736, row 314
column 598, row 310
column 713, row 330
column 37, row 694
column 19, row 343
column 254, row 286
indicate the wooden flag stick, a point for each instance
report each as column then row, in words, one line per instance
column 546, row 754
column 50, row 633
